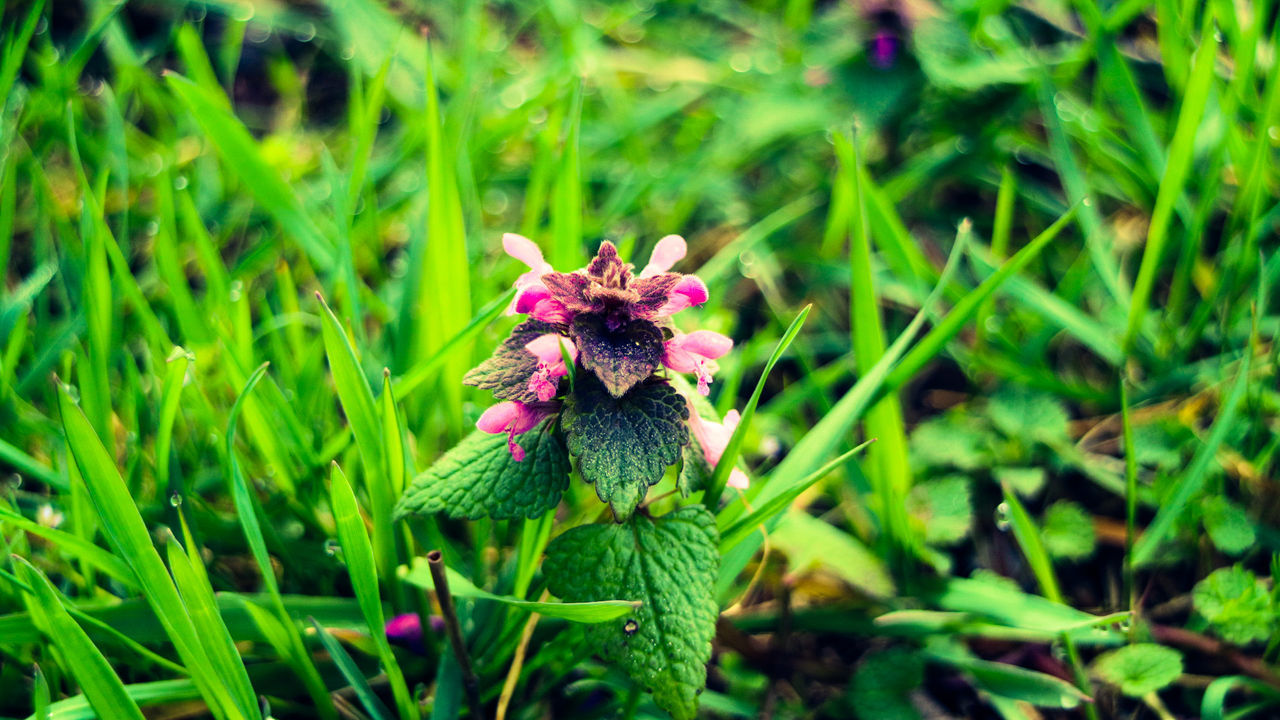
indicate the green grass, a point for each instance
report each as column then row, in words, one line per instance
column 1034, row 264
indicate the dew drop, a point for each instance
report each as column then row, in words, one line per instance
column 237, row 287
column 180, row 182
column 175, row 499
column 243, row 12
column 332, row 548
column 15, row 481
column 306, row 33
column 1069, row 701
column 1273, row 132
column 1002, row 517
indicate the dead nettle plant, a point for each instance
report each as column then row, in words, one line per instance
column 585, row 381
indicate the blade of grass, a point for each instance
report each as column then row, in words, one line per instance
column 583, row 612
column 289, row 641
column 100, row 684
column 934, row 341
column 1028, row 537
column 730, row 456
column 211, row 630
column 566, row 193
column 128, row 536
column 359, row 556
column 1181, row 151
column 362, row 414
column 887, row 468
column 243, row 157
column 352, row 673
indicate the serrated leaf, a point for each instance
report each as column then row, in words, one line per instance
column 944, row 442
column 669, row 564
column 479, row 478
column 882, row 685
column 1236, row 604
column 1139, row 669
column 1026, row 481
column 620, row 358
column 1023, row 413
column 625, row 444
column 943, row 509
column 1068, row 531
column 507, row 371
column 1228, row 524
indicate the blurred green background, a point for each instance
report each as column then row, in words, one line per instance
column 1091, row 430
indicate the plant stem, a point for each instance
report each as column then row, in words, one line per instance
column 435, row 561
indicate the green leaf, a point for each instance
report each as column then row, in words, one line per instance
column 943, row 509
column 1026, row 481
column 1139, row 669
column 669, row 565
column 620, row 358
column 883, row 683
column 625, row 444
column 1009, row 681
column 1067, row 531
column 1022, row 413
column 594, row 611
column 479, row 478
column 1228, row 524
column 946, row 442
column 1236, row 604
column 507, row 371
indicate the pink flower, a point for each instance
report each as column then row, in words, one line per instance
column 551, row 350
column 536, row 301
column 714, row 438
column 669, row 251
column 513, row 418
column 527, row 252
column 688, row 292
column 694, row 352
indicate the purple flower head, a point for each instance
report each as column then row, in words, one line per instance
column 406, row 631
column 604, row 319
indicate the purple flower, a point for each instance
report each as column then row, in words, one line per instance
column 551, row 350
column 514, row 418
column 695, row 353
column 406, row 631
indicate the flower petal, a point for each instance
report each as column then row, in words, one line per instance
column 738, row 479
column 706, row 343
column 524, row 250
column 669, row 250
column 547, row 348
column 688, row 292
column 500, row 417
column 528, row 297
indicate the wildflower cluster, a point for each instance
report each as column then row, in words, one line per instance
column 591, row 354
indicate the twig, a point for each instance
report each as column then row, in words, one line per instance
column 1190, row 640
column 471, row 683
